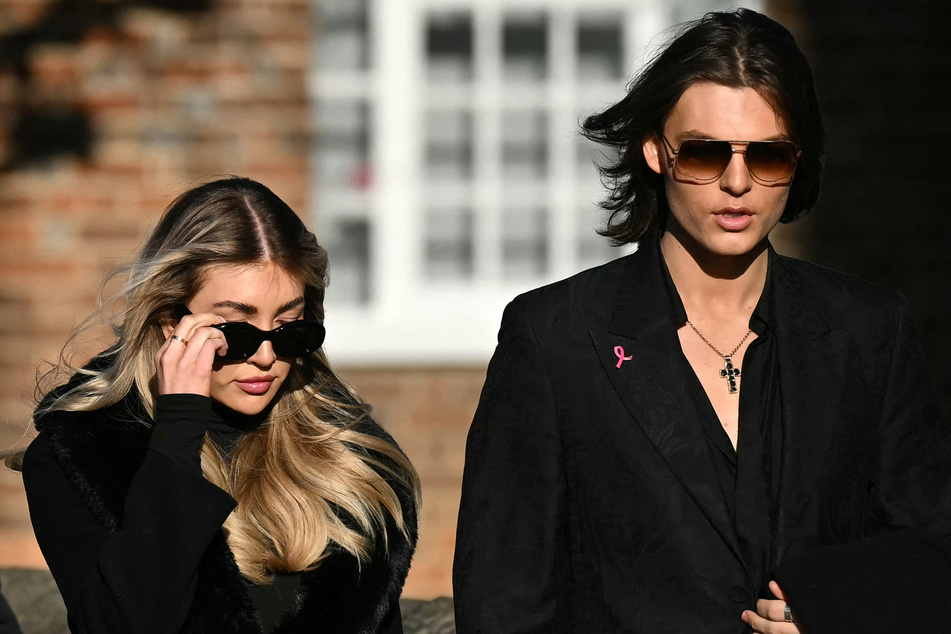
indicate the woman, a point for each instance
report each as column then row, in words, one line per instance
column 657, row 434
column 209, row 472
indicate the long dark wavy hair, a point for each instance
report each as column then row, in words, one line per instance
column 738, row 49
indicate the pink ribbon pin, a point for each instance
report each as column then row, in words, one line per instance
column 619, row 353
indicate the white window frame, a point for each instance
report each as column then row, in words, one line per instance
column 410, row 320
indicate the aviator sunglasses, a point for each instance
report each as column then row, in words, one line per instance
column 292, row 340
column 707, row 159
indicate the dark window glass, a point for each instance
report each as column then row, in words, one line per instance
column 600, row 48
column 342, row 35
column 525, row 47
column 449, row 47
column 449, row 243
column 348, row 246
column 524, row 242
column 449, row 140
column 342, row 143
column 525, row 144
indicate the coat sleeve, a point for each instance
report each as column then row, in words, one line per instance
column 142, row 577
column 510, row 567
column 911, row 485
column 892, row 580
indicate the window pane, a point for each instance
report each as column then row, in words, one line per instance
column 449, row 47
column 525, row 144
column 600, row 55
column 525, row 242
column 525, row 47
column 449, row 243
column 342, row 42
column 449, row 144
column 347, row 241
column 343, row 145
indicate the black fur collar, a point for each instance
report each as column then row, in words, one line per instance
column 101, row 451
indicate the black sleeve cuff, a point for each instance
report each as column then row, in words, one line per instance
column 179, row 429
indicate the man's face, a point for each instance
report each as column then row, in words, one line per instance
column 731, row 214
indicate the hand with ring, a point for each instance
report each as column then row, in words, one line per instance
column 772, row 616
column 185, row 361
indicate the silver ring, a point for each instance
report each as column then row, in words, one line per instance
column 787, row 614
column 177, row 338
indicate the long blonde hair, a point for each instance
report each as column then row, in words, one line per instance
column 310, row 477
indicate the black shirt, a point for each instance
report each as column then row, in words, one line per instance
column 749, row 475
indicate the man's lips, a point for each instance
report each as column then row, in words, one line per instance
column 734, row 218
column 256, row 384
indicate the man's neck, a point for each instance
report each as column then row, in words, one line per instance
column 715, row 287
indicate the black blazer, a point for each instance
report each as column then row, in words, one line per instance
column 589, row 501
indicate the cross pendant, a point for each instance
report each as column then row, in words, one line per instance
column 730, row 373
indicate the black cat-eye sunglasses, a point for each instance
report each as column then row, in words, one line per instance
column 292, row 340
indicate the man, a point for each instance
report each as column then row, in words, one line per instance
column 657, row 434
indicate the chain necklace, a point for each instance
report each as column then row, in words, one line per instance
column 729, row 372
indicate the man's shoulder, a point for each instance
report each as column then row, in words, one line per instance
column 590, row 291
column 836, row 293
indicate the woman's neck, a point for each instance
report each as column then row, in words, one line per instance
column 242, row 423
column 715, row 287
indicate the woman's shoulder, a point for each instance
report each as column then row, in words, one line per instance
column 110, row 440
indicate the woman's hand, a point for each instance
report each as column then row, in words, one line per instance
column 770, row 615
column 184, row 362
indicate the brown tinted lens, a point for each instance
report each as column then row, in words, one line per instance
column 703, row 160
column 771, row 160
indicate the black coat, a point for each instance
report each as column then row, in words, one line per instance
column 590, row 502
column 102, row 454
column 8, row 620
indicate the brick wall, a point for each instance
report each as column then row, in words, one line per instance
column 107, row 111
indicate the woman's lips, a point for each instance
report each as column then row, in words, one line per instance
column 256, row 384
column 734, row 219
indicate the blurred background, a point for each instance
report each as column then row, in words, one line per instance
column 433, row 146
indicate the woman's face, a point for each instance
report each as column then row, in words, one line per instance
column 265, row 296
column 734, row 213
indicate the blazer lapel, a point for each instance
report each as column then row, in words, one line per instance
column 813, row 358
column 634, row 352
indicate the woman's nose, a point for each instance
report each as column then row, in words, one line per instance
column 264, row 355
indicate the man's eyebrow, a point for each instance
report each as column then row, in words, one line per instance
column 694, row 134
column 698, row 135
